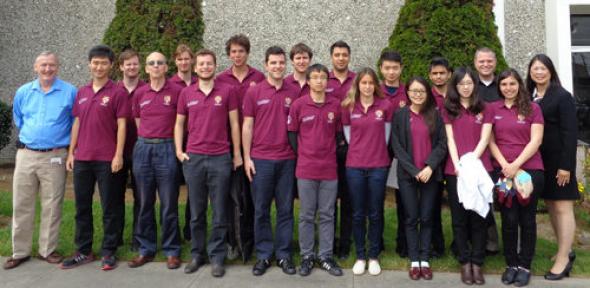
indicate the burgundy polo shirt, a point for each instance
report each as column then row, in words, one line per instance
column 252, row 78
column 131, row 130
column 467, row 133
column 513, row 132
column 270, row 107
column 421, row 142
column 178, row 81
column 398, row 99
column 208, row 117
column 156, row 110
column 98, row 113
column 316, row 126
column 337, row 88
column 367, row 147
column 303, row 90
column 439, row 99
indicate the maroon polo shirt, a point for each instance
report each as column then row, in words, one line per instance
column 270, row 107
column 156, row 110
column 439, row 99
column 131, row 130
column 367, row 147
column 178, row 81
column 513, row 132
column 421, row 142
column 398, row 99
column 252, row 78
column 337, row 88
column 98, row 113
column 316, row 126
column 303, row 90
column 208, row 117
column 467, row 133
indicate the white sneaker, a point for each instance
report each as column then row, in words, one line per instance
column 359, row 267
column 374, row 267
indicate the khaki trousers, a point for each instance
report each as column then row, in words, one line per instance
column 43, row 172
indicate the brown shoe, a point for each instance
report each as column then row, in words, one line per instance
column 478, row 275
column 140, row 261
column 52, row 258
column 173, row 262
column 426, row 273
column 466, row 274
column 13, row 263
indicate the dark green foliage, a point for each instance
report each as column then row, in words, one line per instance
column 453, row 29
column 5, row 124
column 155, row 25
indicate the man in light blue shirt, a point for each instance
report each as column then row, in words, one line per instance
column 42, row 113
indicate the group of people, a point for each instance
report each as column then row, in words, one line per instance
column 316, row 134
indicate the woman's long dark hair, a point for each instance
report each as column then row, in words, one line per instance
column 453, row 99
column 428, row 109
column 545, row 60
column 523, row 98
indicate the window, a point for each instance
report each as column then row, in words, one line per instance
column 580, row 37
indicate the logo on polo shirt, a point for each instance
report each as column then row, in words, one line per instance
column 308, row 118
column 329, row 90
column 402, row 103
column 82, row 100
column 287, row 102
column 521, row 119
column 355, row 116
column 288, row 119
column 105, row 100
column 262, row 102
column 146, row 102
column 217, row 100
column 167, row 99
column 379, row 115
column 330, row 117
column 478, row 118
column 253, row 83
column 498, row 117
column 192, row 103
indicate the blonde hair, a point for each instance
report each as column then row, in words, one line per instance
column 353, row 94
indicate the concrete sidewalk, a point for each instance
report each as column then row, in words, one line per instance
column 36, row 273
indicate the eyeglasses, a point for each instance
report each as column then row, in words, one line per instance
column 157, row 62
column 322, row 78
column 417, row 92
column 466, row 84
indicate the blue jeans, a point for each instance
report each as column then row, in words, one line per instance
column 367, row 193
column 273, row 179
column 154, row 168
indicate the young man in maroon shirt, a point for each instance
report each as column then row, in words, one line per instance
column 340, row 80
column 184, row 60
column 96, row 156
column 209, row 108
column 300, row 56
column 129, row 65
column 269, row 161
column 155, row 166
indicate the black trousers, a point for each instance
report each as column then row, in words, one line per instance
column 345, row 208
column 86, row 175
column 469, row 228
column 438, row 239
column 127, row 174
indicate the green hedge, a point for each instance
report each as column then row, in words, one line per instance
column 155, row 25
column 453, row 29
column 5, row 124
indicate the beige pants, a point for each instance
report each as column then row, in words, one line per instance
column 43, row 172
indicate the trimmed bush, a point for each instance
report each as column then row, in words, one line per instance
column 5, row 124
column 155, row 25
column 453, row 29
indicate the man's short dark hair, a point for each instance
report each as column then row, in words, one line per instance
column 339, row 44
column 439, row 61
column 300, row 48
column 316, row 68
column 205, row 52
column 390, row 55
column 239, row 39
column 101, row 51
column 126, row 55
column 273, row 50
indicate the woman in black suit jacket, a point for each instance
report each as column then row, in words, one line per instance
column 419, row 141
column 558, row 151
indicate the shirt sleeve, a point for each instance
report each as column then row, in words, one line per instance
column 16, row 109
column 135, row 109
column 293, row 118
column 181, row 105
column 122, row 109
column 249, row 105
column 488, row 117
column 345, row 116
column 233, row 101
column 445, row 116
column 537, row 115
column 388, row 111
column 76, row 107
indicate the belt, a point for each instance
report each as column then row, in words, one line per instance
column 45, row 150
column 156, row 140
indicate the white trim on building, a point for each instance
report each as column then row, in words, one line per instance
column 500, row 23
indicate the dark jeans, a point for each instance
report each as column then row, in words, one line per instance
column 418, row 199
column 273, row 179
column 155, row 169
column 468, row 227
column 127, row 172
column 208, row 177
column 367, row 192
column 521, row 219
column 86, row 175
column 438, row 239
column 401, row 241
column 345, row 210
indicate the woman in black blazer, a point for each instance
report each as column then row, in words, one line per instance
column 419, row 142
column 558, row 151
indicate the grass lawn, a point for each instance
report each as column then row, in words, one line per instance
column 389, row 260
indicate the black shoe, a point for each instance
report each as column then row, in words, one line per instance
column 522, row 277
column 509, row 275
column 287, row 265
column 260, row 267
column 217, row 270
column 565, row 273
column 492, row 252
column 572, row 256
column 194, row 265
column 307, row 263
column 331, row 266
column 436, row 254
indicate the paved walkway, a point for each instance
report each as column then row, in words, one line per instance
column 36, row 273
